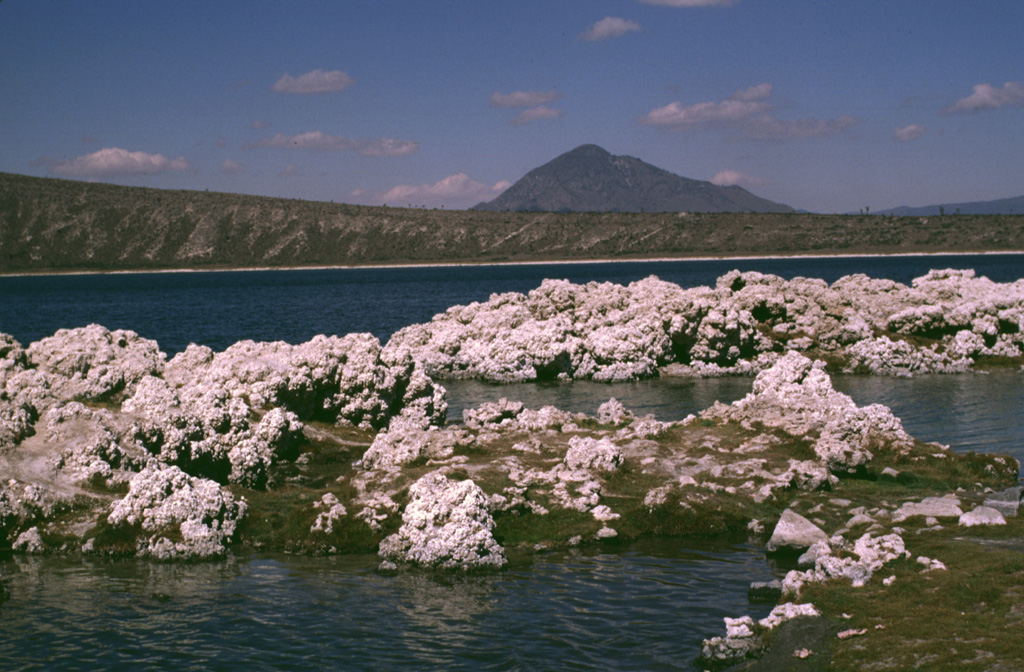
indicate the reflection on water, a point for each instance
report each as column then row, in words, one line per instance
column 645, row 608
column 978, row 412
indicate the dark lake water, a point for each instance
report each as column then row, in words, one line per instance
column 218, row 309
column 642, row 608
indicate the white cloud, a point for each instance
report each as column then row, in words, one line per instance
column 317, row 81
column 727, row 178
column 115, row 161
column 748, row 111
column 691, row 3
column 988, row 97
column 291, row 170
column 609, row 26
column 259, row 125
column 908, row 133
column 324, row 142
column 455, row 191
column 230, row 167
column 524, row 98
column 535, row 113
column 740, row 105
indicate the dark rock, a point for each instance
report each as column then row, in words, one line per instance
column 1006, row 502
column 765, row 592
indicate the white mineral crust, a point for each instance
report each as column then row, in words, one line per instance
column 610, row 332
column 796, row 395
column 166, row 502
column 445, row 525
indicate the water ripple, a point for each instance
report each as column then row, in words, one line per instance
column 645, row 609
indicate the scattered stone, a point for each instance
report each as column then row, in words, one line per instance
column 930, row 507
column 852, row 632
column 332, row 511
column 930, row 564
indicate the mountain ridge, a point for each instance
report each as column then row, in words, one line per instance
column 1000, row 206
column 591, row 179
column 50, row 225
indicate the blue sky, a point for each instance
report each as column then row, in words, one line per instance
column 827, row 106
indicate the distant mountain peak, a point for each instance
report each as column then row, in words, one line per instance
column 589, row 178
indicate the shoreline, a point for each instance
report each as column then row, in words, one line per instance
column 342, row 267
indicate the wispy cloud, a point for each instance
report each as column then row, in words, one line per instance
column 523, row 98
column 608, row 27
column 535, row 114
column 690, row 3
column 291, row 170
column 750, row 112
column 318, row 141
column 728, row 178
column 455, row 191
column 988, row 97
column 741, row 105
column 317, row 81
column 230, row 167
column 908, row 133
column 114, row 161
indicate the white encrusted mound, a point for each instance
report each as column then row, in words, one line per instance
column 340, row 379
column 183, row 515
column 608, row 332
column 445, row 525
column 796, row 395
column 207, row 432
column 93, row 362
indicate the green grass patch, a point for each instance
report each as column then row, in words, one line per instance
column 963, row 618
column 523, row 528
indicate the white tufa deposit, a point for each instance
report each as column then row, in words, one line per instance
column 796, row 395
column 445, row 525
column 330, row 512
column 743, row 638
column 609, row 332
column 183, row 516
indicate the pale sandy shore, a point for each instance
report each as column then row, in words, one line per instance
column 547, row 262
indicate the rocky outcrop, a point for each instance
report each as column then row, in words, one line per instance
column 942, row 323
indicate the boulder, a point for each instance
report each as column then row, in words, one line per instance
column 793, row 532
column 982, row 515
column 1006, row 502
